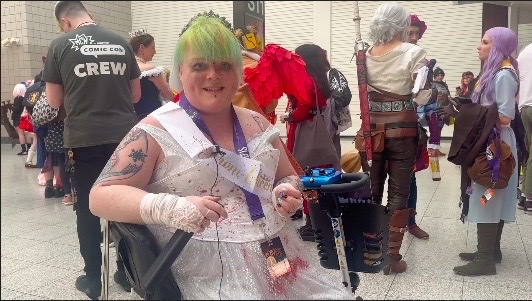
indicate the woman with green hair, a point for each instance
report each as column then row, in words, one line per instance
column 204, row 166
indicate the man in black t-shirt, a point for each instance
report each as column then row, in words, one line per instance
column 93, row 73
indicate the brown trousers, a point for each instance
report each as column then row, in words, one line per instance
column 397, row 160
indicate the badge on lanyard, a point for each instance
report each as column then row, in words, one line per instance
column 275, row 255
column 486, row 196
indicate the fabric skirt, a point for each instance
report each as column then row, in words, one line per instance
column 25, row 124
column 241, row 268
column 502, row 206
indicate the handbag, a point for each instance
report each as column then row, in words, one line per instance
column 494, row 167
column 313, row 145
column 42, row 111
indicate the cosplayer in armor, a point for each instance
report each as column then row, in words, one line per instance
column 392, row 66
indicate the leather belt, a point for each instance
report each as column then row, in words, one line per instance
column 396, row 125
column 391, row 106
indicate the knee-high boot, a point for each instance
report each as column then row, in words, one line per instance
column 483, row 264
column 398, row 228
column 30, row 159
column 497, row 253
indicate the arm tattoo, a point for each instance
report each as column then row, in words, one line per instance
column 293, row 180
column 135, row 160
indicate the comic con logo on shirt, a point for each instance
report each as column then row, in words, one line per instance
column 87, row 46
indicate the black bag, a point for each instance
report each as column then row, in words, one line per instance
column 33, row 94
column 146, row 266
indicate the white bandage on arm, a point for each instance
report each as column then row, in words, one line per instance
column 170, row 210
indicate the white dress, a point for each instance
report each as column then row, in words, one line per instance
column 236, row 260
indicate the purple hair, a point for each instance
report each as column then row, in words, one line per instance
column 504, row 43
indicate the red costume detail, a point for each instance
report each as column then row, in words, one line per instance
column 279, row 71
column 25, row 124
column 415, row 21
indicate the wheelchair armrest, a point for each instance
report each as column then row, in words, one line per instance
column 164, row 261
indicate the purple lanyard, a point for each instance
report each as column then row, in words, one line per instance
column 495, row 161
column 241, row 147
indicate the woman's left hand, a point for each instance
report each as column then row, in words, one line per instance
column 287, row 199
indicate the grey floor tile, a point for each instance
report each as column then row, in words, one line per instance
column 48, row 233
column 425, row 288
column 34, row 297
column 526, row 233
column 13, row 244
column 39, row 275
column 476, row 291
column 67, row 240
column 524, row 219
column 64, row 289
column 70, row 259
column 430, row 266
column 507, row 276
column 10, row 265
column 374, row 286
column 38, row 253
column 9, row 294
column 453, row 212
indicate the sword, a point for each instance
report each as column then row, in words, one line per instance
column 360, row 51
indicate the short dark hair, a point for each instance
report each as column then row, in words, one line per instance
column 69, row 8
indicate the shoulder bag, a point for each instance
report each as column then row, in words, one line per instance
column 312, row 144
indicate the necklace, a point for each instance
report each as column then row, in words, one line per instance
column 140, row 59
column 86, row 23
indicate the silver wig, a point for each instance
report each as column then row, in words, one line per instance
column 389, row 19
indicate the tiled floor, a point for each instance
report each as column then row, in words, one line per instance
column 40, row 257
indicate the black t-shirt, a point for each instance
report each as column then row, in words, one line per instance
column 94, row 66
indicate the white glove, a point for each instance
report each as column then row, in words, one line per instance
column 171, row 210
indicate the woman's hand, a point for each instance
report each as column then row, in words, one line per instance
column 210, row 209
column 287, row 199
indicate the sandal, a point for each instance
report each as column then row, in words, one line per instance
column 67, row 200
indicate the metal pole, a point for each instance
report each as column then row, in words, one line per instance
column 105, row 274
column 339, row 241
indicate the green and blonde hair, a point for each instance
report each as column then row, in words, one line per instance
column 209, row 38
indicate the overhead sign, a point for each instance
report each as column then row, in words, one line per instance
column 248, row 22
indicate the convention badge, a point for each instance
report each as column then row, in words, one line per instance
column 275, row 255
column 486, row 196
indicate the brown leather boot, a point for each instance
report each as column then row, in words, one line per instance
column 398, row 228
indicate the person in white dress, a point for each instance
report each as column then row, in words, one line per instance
column 219, row 171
